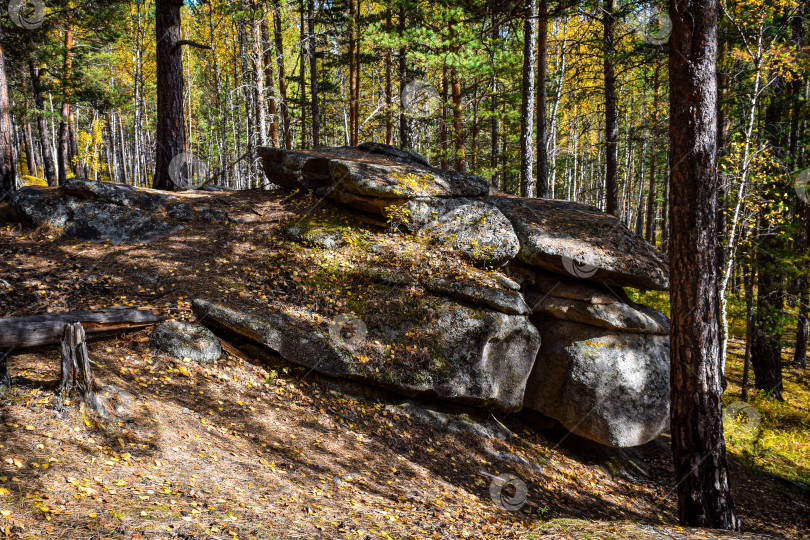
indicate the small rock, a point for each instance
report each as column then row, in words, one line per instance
column 313, row 236
column 180, row 211
column 187, row 340
column 212, row 214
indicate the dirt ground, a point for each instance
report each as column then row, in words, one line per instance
column 246, row 448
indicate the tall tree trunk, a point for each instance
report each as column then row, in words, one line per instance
column 443, row 125
column 63, row 154
column 44, row 132
column 458, row 122
column 649, row 232
column 748, row 280
column 527, row 183
column 313, row 74
column 258, row 75
column 389, row 77
column 29, row 146
column 766, row 346
column 267, row 52
column 8, row 170
column 611, row 115
column 282, row 77
column 494, row 120
column 404, row 124
column 353, row 79
column 302, row 74
column 171, row 130
column 542, row 70
column 698, row 444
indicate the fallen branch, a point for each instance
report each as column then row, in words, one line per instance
column 47, row 329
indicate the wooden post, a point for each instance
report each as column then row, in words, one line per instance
column 76, row 364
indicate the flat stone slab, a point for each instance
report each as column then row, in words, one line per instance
column 477, row 357
column 581, row 241
column 387, row 173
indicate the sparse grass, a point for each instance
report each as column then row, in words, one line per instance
column 780, row 443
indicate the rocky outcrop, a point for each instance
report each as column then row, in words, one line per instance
column 477, row 356
column 606, row 385
column 107, row 212
column 539, row 319
column 187, row 340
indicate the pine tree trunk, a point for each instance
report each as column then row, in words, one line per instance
column 748, row 280
column 389, row 77
column 171, row 130
column 443, row 125
column 494, row 123
column 44, row 132
column 352, row 73
column 313, row 74
column 63, row 155
column 404, row 124
column 611, row 115
column 28, row 138
column 542, row 70
column 302, row 73
column 8, row 170
column 649, row 232
column 766, row 346
column 698, row 444
column 527, row 182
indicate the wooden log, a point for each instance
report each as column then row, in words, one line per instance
column 48, row 329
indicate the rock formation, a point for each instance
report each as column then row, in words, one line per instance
column 545, row 323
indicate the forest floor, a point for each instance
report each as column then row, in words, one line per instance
column 247, row 448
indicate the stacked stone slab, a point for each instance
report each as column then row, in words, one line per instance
column 602, row 369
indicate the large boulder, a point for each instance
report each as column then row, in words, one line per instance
column 120, row 194
column 35, row 205
column 609, row 386
column 479, row 231
column 578, row 240
column 474, row 356
column 98, row 221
